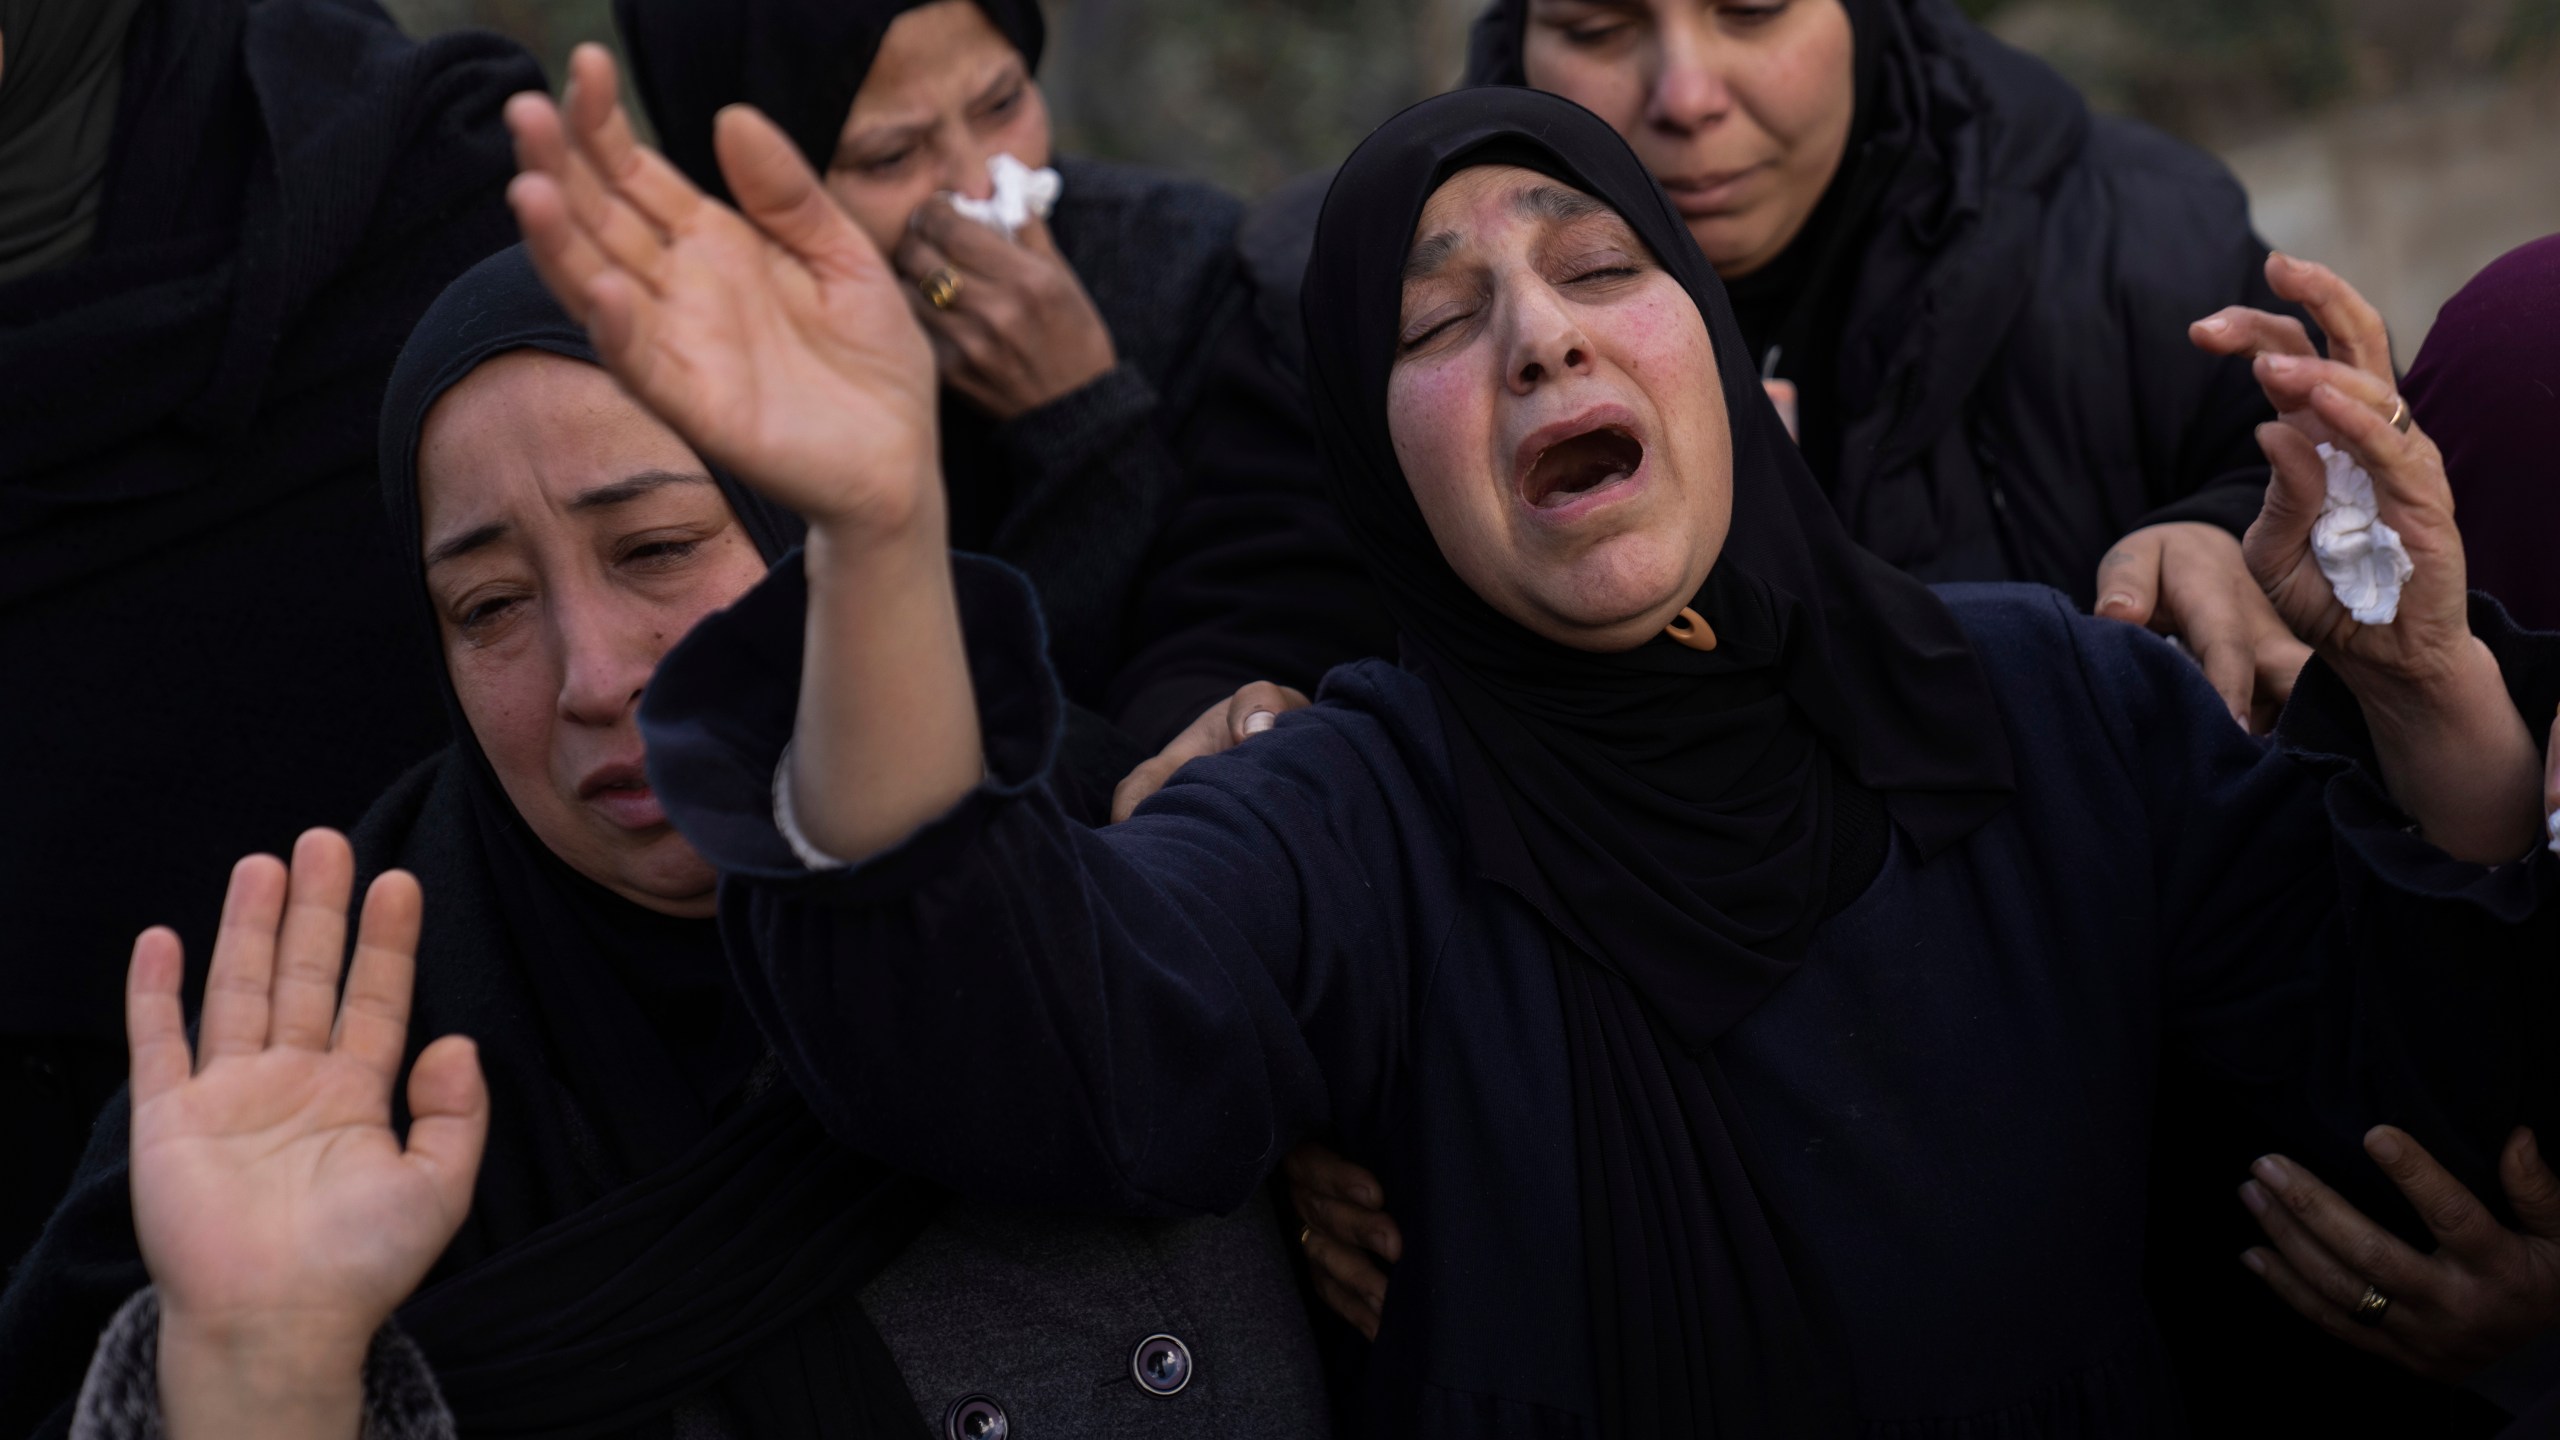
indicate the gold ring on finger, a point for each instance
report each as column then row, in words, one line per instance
column 941, row 288
column 2400, row 416
column 2371, row 1307
column 1306, row 1234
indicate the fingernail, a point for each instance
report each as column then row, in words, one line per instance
column 2282, row 364
column 2215, row 323
column 2116, row 602
column 2256, row 1262
column 2254, row 1198
column 2384, row 1148
column 2272, row 1171
column 2526, row 1150
column 1259, row 721
column 1366, row 1196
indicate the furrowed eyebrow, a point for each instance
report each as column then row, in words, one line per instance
column 1557, row 205
column 1432, row 252
column 464, row 543
column 624, row 491
column 1011, row 74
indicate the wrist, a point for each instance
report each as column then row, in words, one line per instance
column 908, row 515
column 285, row 1375
column 2458, row 688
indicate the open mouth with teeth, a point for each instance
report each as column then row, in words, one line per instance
column 1576, row 466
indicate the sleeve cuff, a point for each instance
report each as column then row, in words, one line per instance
column 1063, row 436
column 120, row 1398
column 718, row 718
column 2324, row 721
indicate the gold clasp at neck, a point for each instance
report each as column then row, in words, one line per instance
column 1692, row 630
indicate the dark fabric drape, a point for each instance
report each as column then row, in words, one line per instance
column 799, row 61
column 1674, row 814
column 195, row 582
column 2485, row 387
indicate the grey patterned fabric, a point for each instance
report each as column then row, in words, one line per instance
column 1038, row 1313
column 121, row 1398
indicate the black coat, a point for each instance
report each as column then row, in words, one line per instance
column 1171, row 514
column 1949, row 1101
column 204, row 645
column 2015, row 382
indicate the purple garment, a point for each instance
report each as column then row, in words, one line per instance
column 2487, row 388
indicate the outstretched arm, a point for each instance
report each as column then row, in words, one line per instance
column 778, row 342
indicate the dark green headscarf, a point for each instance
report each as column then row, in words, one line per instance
column 61, row 69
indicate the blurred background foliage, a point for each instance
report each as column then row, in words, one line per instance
column 2407, row 141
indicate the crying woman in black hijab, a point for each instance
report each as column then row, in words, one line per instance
column 1108, row 422
column 1972, row 295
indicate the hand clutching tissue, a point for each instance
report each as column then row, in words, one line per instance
column 2454, row 752
column 280, row 1215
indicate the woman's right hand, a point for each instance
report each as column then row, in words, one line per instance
column 280, row 1215
column 778, row 342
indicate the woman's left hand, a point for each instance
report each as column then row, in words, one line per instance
column 1016, row 329
column 2484, row 1293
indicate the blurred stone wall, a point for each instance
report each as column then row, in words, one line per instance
column 2407, row 142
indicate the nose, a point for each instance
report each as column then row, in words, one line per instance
column 1545, row 340
column 606, row 660
column 1688, row 90
column 964, row 169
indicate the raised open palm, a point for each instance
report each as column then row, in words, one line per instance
column 773, row 337
column 270, row 1193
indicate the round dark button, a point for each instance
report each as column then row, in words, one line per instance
column 975, row 1417
column 1162, row 1365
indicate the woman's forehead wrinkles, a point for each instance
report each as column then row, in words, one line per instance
column 1551, row 205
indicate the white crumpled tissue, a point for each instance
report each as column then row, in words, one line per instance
column 2364, row 559
column 1021, row 192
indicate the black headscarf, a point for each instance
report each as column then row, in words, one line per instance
column 1791, row 310
column 730, row 1233
column 799, row 61
column 1683, row 819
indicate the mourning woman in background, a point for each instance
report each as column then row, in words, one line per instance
column 1109, row 422
column 1748, row 967
column 217, row 222
column 661, row 1239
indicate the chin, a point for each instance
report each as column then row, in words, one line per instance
column 1616, row 602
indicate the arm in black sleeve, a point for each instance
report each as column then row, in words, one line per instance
column 1253, row 576
column 1140, row 1019
column 2325, row 966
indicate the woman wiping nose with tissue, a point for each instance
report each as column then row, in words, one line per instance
column 1108, row 421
